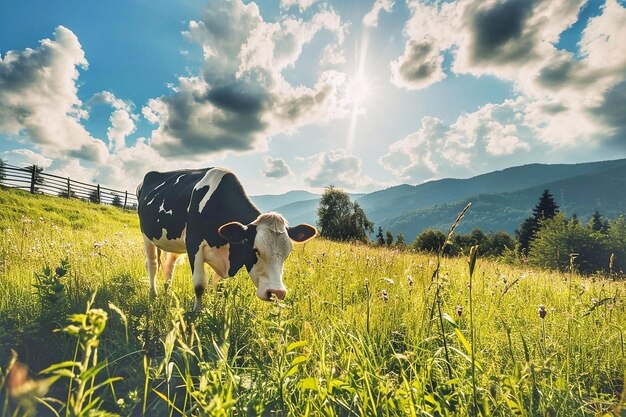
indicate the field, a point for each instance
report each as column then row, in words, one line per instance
column 364, row 331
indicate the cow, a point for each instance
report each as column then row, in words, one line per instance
column 207, row 214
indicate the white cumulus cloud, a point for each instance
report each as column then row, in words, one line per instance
column 371, row 18
column 241, row 98
column 39, row 101
column 339, row 168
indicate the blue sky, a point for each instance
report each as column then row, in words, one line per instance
column 300, row 94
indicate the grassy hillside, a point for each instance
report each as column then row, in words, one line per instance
column 363, row 331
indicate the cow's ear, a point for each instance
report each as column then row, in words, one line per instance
column 233, row 232
column 302, row 232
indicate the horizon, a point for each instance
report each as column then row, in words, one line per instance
column 301, row 94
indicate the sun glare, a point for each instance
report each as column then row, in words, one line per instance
column 358, row 90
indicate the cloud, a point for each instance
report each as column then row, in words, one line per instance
column 122, row 119
column 302, row 4
column 337, row 167
column 275, row 168
column 418, row 67
column 122, row 125
column 241, row 98
column 429, row 32
column 38, row 97
column 371, row 18
column 24, row 157
column 412, row 157
column 567, row 99
column 487, row 138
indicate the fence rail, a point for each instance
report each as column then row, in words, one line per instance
column 36, row 181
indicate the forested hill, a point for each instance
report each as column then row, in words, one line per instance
column 580, row 195
column 500, row 199
column 395, row 201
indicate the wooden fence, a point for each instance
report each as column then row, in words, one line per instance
column 36, row 181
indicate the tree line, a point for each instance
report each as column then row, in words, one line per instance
column 548, row 238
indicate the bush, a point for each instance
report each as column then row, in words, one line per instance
column 566, row 244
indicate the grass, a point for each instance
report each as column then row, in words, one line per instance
column 335, row 346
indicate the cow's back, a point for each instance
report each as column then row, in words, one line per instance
column 164, row 199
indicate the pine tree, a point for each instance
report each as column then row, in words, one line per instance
column 597, row 223
column 545, row 209
column 380, row 238
column 117, row 200
column 38, row 178
column 400, row 243
column 388, row 238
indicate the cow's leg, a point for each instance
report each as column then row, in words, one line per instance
column 152, row 257
column 169, row 265
column 216, row 281
column 199, row 278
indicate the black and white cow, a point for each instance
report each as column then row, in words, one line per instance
column 207, row 214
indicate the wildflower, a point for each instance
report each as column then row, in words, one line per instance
column 388, row 280
column 459, row 310
column 410, row 278
column 542, row 311
column 595, row 301
column 385, row 296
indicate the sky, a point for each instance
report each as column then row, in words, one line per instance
column 302, row 94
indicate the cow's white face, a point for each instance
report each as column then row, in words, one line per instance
column 271, row 249
column 271, row 240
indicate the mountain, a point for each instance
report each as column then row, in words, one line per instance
column 394, row 201
column 296, row 206
column 270, row 202
column 501, row 200
column 580, row 195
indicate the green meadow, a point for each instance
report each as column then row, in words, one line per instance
column 364, row 331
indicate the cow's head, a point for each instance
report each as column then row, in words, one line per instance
column 268, row 238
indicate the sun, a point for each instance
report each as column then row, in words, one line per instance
column 358, row 90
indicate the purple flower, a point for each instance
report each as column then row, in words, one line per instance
column 542, row 311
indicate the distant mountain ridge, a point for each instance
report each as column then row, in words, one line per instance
column 270, row 202
column 501, row 200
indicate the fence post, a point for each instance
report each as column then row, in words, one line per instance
column 69, row 190
column 32, row 178
column 125, row 198
column 98, row 191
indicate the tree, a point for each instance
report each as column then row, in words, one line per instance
column 360, row 225
column 561, row 243
column 94, row 196
column 64, row 194
column 500, row 242
column 430, row 240
column 36, row 179
column 400, row 243
column 340, row 219
column 388, row 238
column 545, row 209
column 380, row 239
column 597, row 223
column 117, row 200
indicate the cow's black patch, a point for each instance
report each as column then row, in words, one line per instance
column 199, row 290
column 175, row 191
